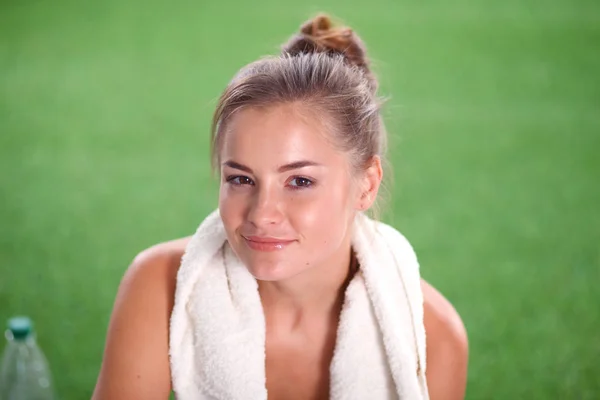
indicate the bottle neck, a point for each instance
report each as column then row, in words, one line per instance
column 20, row 340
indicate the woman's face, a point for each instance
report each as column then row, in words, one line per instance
column 287, row 197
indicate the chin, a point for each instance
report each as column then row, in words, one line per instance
column 270, row 270
column 268, row 266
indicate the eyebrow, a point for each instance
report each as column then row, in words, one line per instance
column 283, row 168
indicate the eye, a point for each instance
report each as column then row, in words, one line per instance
column 239, row 180
column 300, row 182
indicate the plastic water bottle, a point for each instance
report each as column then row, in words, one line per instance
column 24, row 373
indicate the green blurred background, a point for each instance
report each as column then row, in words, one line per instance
column 494, row 116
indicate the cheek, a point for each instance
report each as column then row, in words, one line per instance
column 322, row 215
column 231, row 207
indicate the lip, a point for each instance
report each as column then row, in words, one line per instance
column 263, row 243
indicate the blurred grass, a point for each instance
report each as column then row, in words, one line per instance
column 495, row 124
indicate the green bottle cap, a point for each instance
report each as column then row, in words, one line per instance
column 20, row 327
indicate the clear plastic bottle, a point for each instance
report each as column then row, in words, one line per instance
column 24, row 373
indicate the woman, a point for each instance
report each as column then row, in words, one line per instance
column 298, row 140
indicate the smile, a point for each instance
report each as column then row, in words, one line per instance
column 266, row 243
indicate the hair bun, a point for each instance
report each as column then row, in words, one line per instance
column 316, row 26
column 318, row 35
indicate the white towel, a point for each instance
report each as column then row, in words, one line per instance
column 217, row 331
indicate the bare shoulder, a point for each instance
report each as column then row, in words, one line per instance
column 440, row 314
column 165, row 256
column 136, row 363
column 447, row 346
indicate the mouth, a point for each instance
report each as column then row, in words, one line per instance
column 261, row 243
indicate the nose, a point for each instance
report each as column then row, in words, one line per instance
column 266, row 207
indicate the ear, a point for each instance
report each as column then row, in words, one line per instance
column 369, row 184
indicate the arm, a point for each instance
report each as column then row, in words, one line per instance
column 136, row 357
column 447, row 347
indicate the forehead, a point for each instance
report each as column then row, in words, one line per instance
column 278, row 135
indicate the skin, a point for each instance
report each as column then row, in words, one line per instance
column 304, row 196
